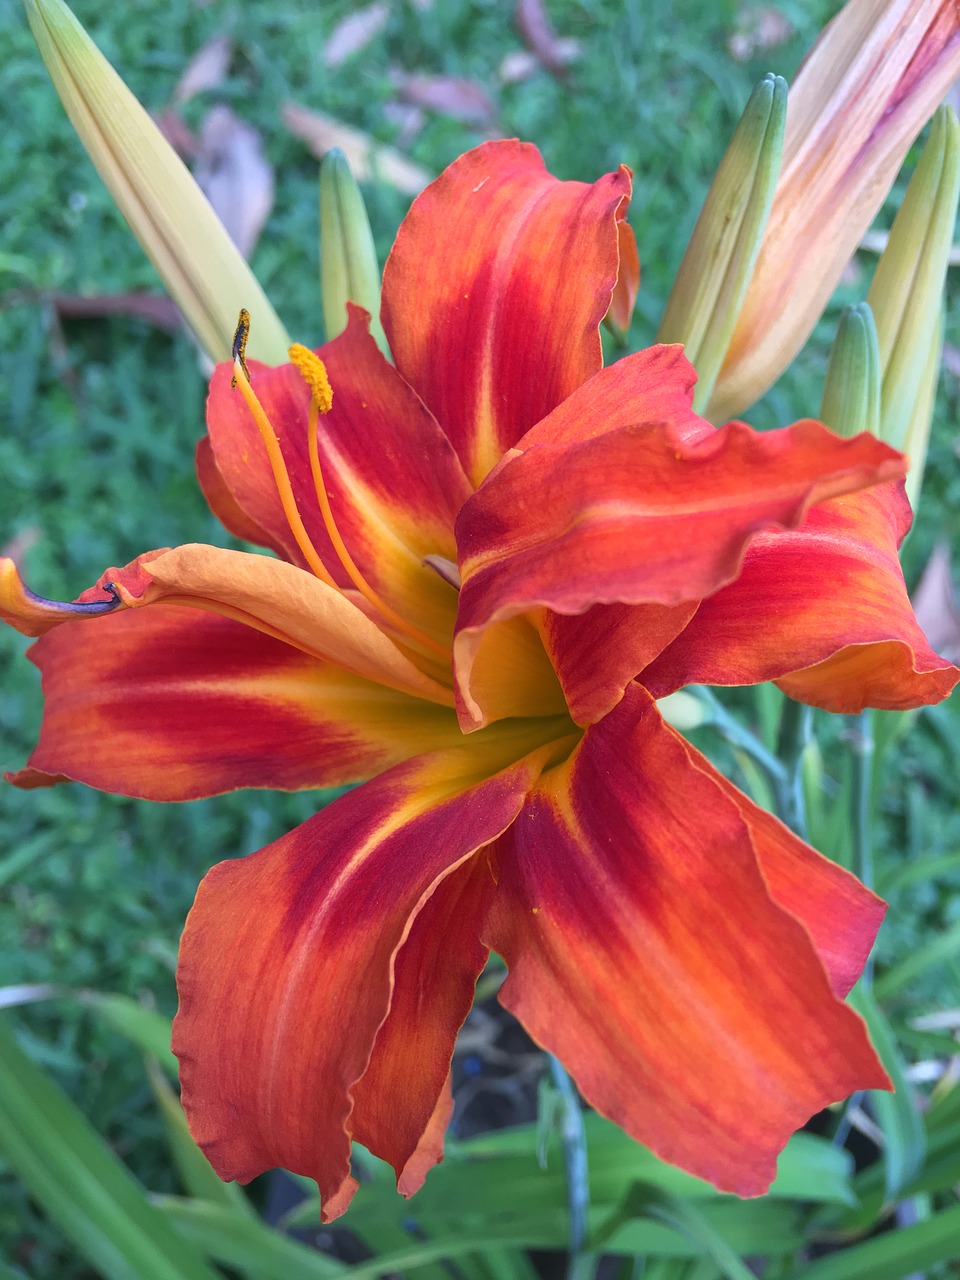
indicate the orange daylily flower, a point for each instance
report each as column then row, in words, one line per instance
column 492, row 557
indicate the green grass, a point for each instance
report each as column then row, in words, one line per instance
column 100, row 419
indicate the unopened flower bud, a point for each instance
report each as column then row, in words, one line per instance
column 907, row 290
column 851, row 391
column 917, row 439
column 715, row 273
column 864, row 92
column 204, row 272
column 349, row 271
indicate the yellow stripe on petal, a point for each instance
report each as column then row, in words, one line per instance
column 291, row 961
column 172, row 704
column 200, row 265
column 641, row 931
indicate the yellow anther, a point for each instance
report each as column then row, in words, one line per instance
column 240, row 336
column 281, row 477
column 312, row 369
column 314, row 373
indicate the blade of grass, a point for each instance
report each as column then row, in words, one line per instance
column 147, row 1029
column 646, row 1201
column 935, row 952
column 80, row 1183
column 893, row 1254
column 905, row 1141
column 216, row 1230
column 245, row 1243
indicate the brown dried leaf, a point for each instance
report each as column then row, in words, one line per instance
column 178, row 133
column 354, row 32
column 155, row 308
column 406, row 120
column 539, row 36
column 519, row 64
column 757, row 30
column 935, row 604
column 235, row 175
column 207, row 69
column 368, row 159
column 459, row 99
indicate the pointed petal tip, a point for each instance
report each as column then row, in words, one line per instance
column 336, row 1205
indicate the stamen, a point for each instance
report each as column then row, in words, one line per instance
column 281, row 478
column 314, row 373
column 241, row 334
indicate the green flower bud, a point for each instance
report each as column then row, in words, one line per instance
column 349, row 271
column 713, row 278
column 851, row 392
column 907, row 290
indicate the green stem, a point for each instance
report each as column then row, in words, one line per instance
column 785, row 782
column 860, row 734
column 738, row 736
column 573, row 1140
column 862, row 741
column 796, row 726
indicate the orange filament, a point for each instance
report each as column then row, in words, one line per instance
column 312, row 370
column 361, row 584
column 279, row 468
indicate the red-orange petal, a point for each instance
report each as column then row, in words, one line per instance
column 287, row 962
column 628, row 278
column 640, row 516
column 172, row 703
column 495, row 290
column 273, row 597
column 224, row 505
column 396, row 1101
column 652, row 385
column 823, row 611
column 596, row 654
column 840, row 914
column 392, row 478
column 646, row 950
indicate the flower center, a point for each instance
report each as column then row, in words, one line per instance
column 313, row 371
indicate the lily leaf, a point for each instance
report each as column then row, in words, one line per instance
column 897, row 1113
column 80, row 1183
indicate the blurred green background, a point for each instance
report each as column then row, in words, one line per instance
column 100, row 415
